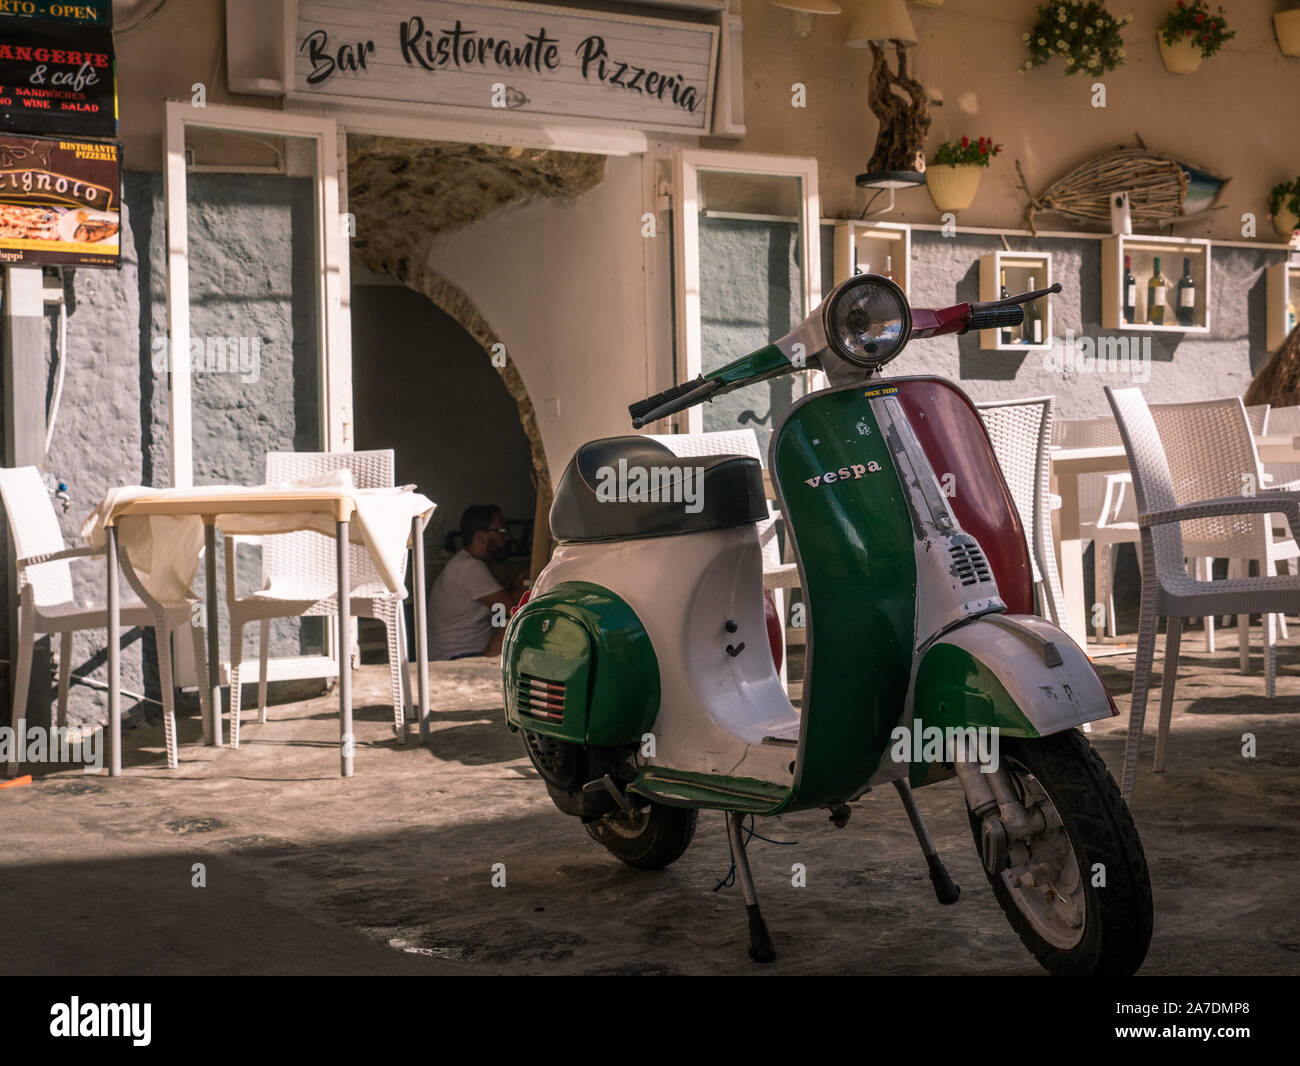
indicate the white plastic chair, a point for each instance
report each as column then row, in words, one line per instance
column 1168, row 591
column 1021, row 433
column 46, row 604
column 1210, row 448
column 299, row 580
column 778, row 575
column 1107, row 511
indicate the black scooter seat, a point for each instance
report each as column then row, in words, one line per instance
column 620, row 488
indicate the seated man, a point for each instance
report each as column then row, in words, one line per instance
column 466, row 597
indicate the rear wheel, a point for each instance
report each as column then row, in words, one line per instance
column 1077, row 892
column 649, row 837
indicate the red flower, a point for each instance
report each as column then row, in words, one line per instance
column 984, row 149
column 1190, row 32
column 1181, row 4
column 1200, row 18
column 965, row 142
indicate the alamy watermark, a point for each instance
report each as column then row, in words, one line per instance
column 652, row 484
column 48, row 744
column 1129, row 356
column 215, row 355
column 932, row 743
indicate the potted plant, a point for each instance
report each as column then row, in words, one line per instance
column 1284, row 208
column 1190, row 33
column 953, row 176
column 1082, row 32
column 1287, row 26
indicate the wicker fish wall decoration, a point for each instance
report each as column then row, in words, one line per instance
column 1161, row 189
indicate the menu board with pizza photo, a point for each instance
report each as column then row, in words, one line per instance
column 60, row 201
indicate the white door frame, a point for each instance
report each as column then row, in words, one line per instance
column 333, row 335
column 333, row 310
column 687, row 163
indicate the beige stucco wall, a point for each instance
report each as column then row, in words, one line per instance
column 1238, row 116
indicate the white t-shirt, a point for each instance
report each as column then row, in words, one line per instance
column 458, row 623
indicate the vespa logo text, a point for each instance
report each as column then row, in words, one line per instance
column 844, row 473
column 654, row 484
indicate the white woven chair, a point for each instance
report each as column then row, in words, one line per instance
column 46, row 604
column 1210, row 448
column 778, row 575
column 1107, row 511
column 1021, row 433
column 1168, row 591
column 299, row 580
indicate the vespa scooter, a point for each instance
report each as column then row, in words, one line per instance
column 639, row 674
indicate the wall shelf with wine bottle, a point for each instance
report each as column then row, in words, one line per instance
column 1283, row 295
column 1005, row 274
column 1155, row 284
column 873, row 248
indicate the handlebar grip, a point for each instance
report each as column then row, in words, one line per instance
column 643, row 407
column 996, row 318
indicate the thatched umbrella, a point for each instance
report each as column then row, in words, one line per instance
column 1278, row 381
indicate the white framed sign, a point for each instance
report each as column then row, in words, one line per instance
column 520, row 60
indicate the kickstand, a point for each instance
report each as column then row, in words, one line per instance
column 944, row 889
column 760, row 944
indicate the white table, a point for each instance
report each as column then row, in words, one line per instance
column 300, row 507
column 1068, row 465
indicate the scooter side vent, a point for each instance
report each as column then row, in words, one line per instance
column 541, row 698
column 969, row 565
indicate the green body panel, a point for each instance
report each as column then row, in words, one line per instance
column 953, row 688
column 855, row 543
column 756, row 366
column 680, row 788
column 589, row 639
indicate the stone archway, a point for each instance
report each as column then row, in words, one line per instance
column 404, row 193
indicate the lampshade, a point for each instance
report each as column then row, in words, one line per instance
column 810, row 7
column 881, row 21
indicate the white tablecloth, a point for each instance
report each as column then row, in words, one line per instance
column 164, row 549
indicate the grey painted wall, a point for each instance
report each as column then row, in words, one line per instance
column 945, row 270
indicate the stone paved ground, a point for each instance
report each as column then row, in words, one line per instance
column 389, row 872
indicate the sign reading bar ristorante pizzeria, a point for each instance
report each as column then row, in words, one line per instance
column 517, row 59
column 56, row 68
column 60, row 201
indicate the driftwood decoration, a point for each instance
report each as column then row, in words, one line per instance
column 904, row 122
column 1156, row 183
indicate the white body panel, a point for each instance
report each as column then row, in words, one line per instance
column 715, row 708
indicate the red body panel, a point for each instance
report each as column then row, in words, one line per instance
column 952, row 434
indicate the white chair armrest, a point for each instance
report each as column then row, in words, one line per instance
column 1288, row 504
column 54, row 557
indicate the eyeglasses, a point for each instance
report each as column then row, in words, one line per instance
column 497, row 529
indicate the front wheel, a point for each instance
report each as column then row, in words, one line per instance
column 1077, row 891
column 649, row 837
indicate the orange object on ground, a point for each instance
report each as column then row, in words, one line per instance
column 26, row 779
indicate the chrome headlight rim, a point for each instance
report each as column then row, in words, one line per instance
column 846, row 291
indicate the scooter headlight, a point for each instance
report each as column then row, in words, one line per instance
column 868, row 320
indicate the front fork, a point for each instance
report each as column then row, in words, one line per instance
column 1005, row 823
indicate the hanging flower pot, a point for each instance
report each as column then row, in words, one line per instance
column 1287, row 26
column 1181, row 57
column 952, row 188
column 953, row 175
column 1189, row 33
column 1284, row 208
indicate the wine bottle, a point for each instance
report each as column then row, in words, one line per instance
column 889, row 267
column 1186, row 309
column 1032, row 330
column 1005, row 337
column 1157, row 298
column 1130, row 292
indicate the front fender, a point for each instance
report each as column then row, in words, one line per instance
column 1016, row 673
